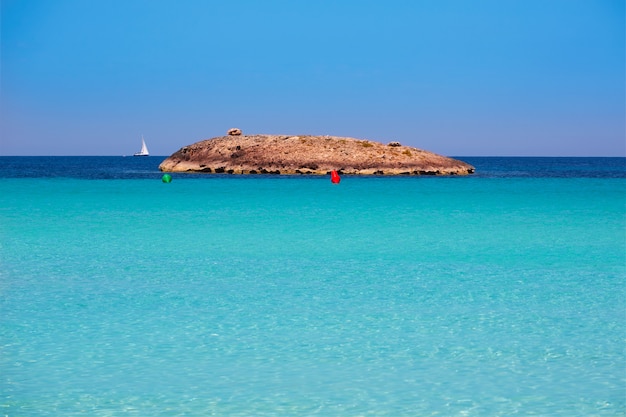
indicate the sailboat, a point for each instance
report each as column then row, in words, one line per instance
column 144, row 149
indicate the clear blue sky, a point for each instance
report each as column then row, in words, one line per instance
column 456, row 77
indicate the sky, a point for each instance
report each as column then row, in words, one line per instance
column 455, row 77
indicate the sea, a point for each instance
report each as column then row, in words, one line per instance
column 500, row 293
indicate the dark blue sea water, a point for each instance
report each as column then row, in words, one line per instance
column 115, row 167
column 496, row 294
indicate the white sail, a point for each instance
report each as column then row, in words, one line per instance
column 144, row 149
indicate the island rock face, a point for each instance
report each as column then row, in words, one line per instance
column 311, row 155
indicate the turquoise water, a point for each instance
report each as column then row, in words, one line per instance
column 492, row 295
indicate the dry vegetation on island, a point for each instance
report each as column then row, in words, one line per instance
column 310, row 155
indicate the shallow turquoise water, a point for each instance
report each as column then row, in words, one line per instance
column 268, row 296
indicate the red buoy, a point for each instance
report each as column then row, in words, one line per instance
column 334, row 177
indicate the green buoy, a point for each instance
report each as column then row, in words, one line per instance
column 166, row 178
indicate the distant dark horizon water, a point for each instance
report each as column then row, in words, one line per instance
column 109, row 167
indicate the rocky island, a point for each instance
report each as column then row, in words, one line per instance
column 311, row 155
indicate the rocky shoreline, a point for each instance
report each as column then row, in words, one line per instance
column 309, row 155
